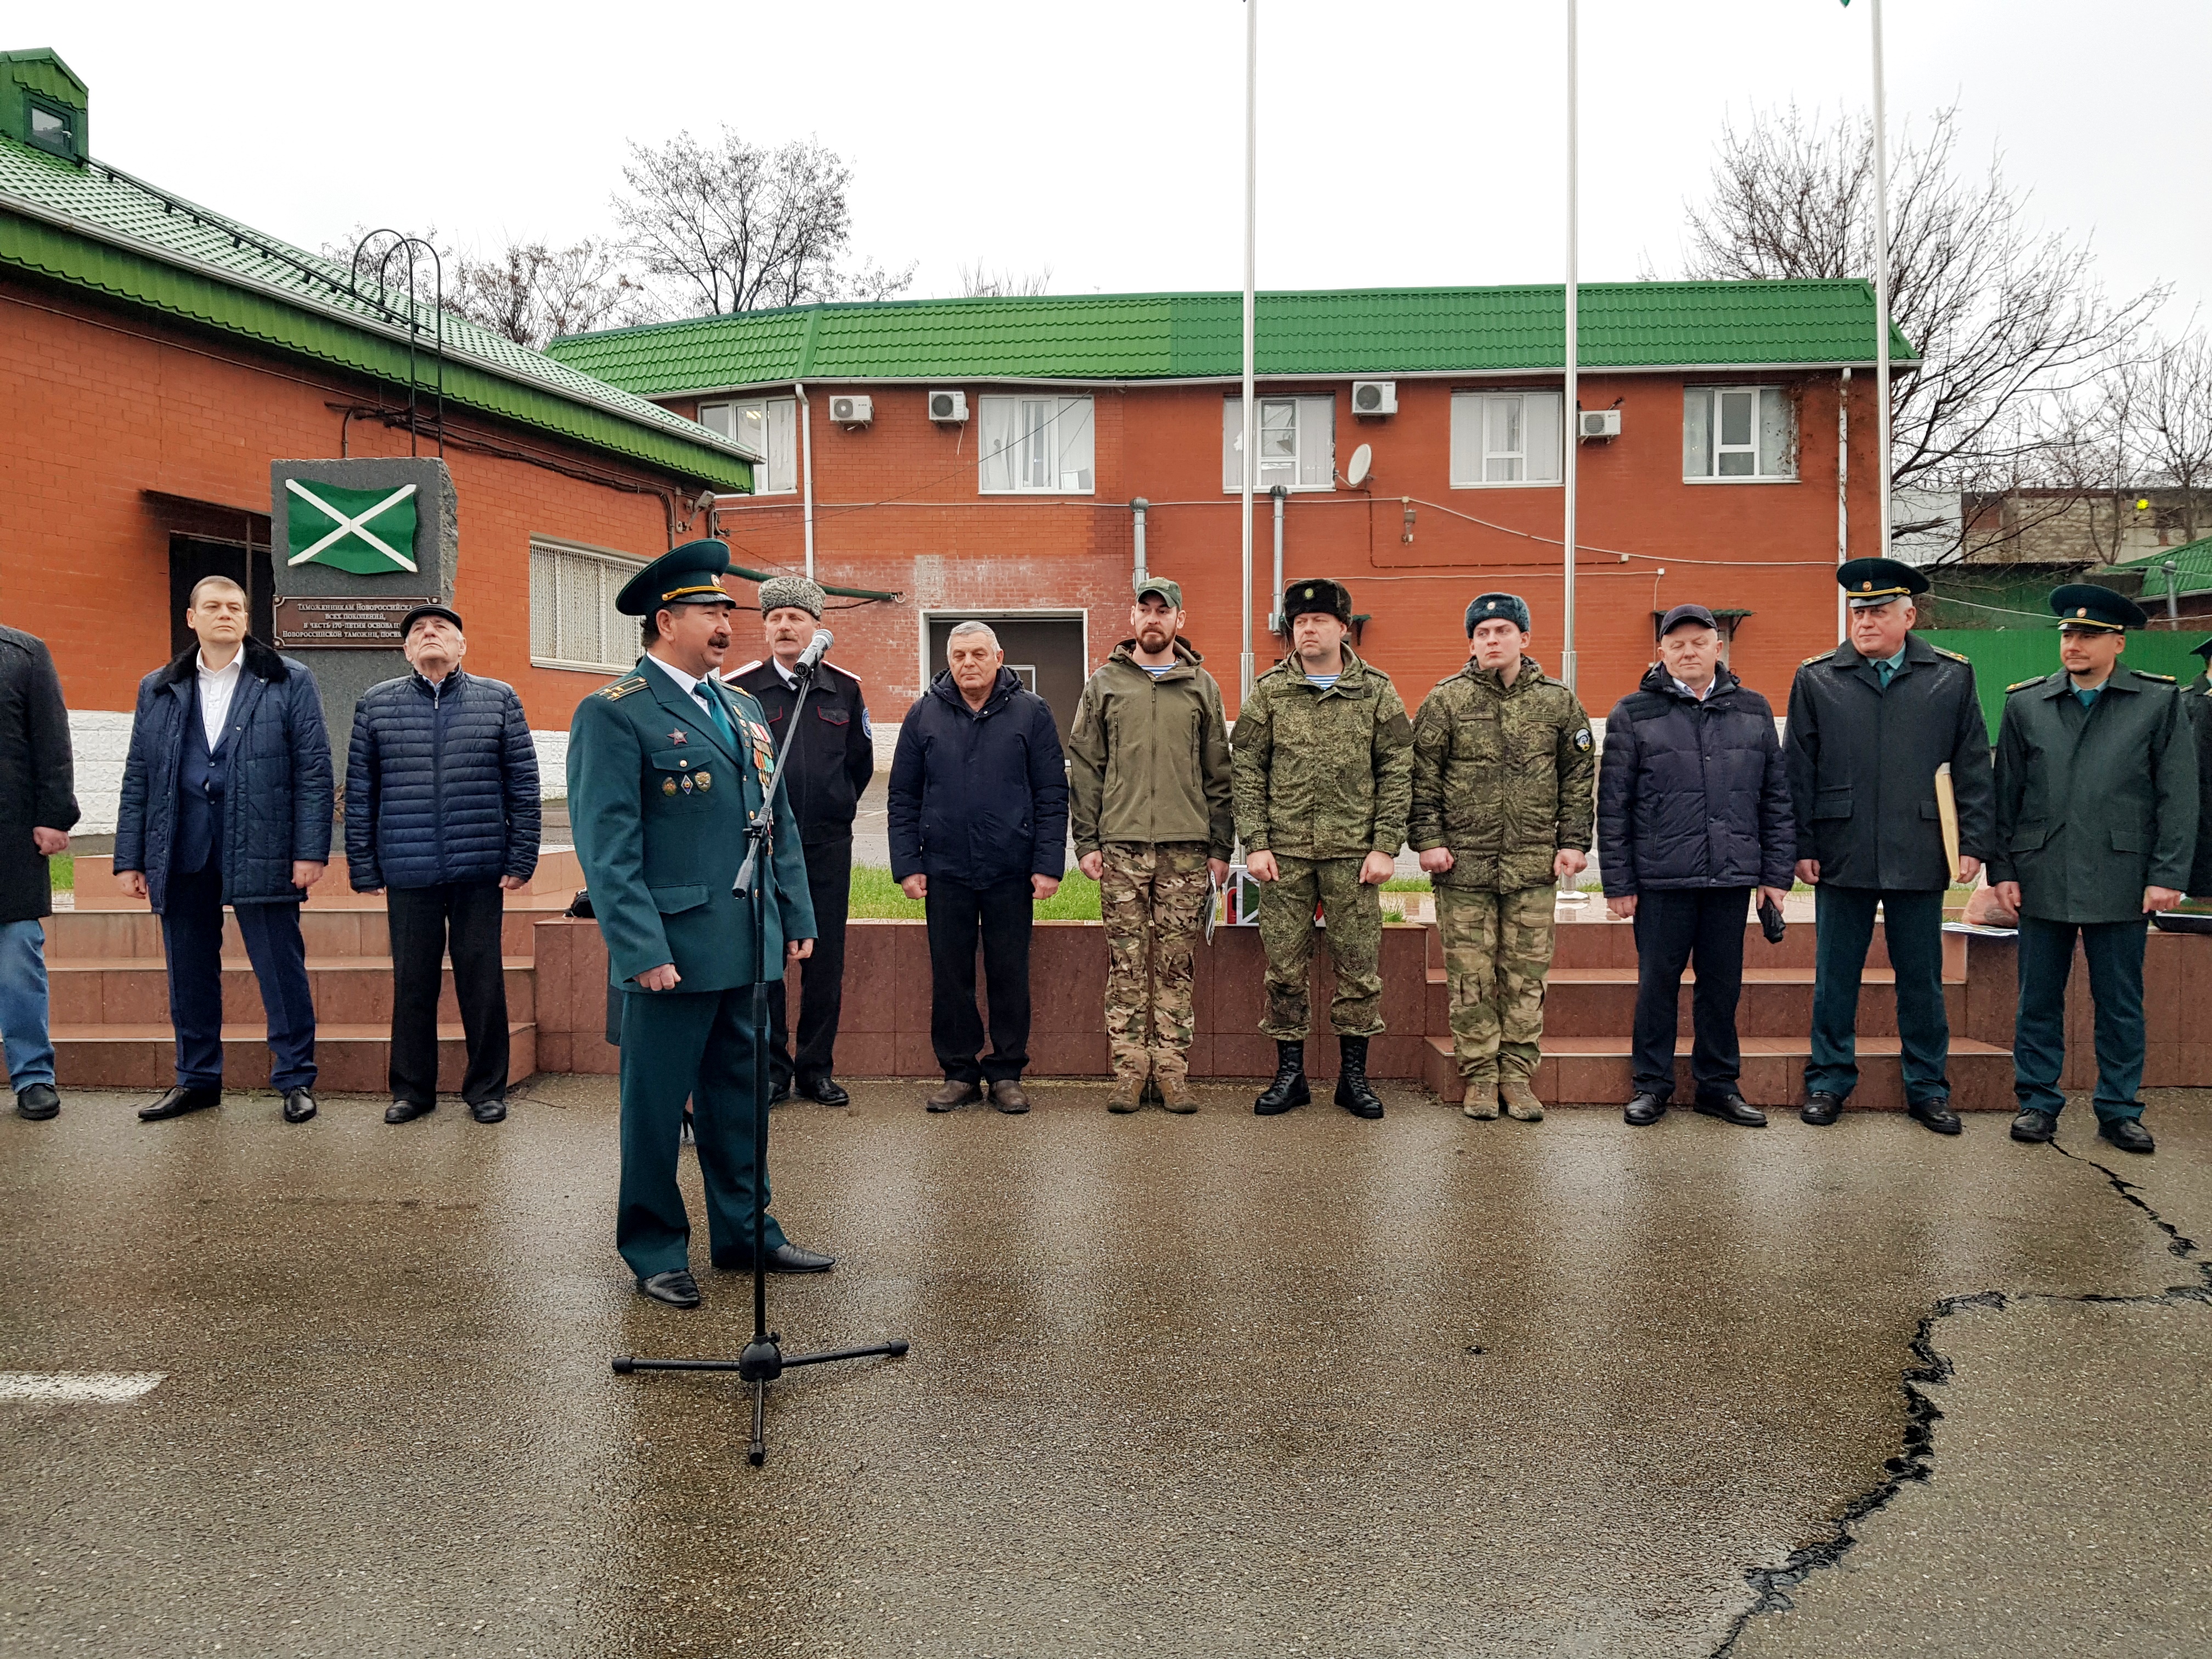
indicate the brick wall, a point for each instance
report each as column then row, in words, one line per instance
column 99, row 407
column 898, row 508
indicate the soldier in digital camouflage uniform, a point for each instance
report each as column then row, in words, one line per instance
column 1324, row 768
column 1503, row 772
column 1148, row 798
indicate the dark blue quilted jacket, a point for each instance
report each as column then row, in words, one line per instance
column 1694, row 794
column 441, row 784
column 276, row 810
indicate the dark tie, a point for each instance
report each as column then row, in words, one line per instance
column 715, row 712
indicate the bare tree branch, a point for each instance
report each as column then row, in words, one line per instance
column 2009, row 321
column 980, row 281
column 737, row 227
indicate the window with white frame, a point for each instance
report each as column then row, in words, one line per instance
column 767, row 426
column 1504, row 438
column 573, row 619
column 1043, row 446
column 1739, row 431
column 1297, row 446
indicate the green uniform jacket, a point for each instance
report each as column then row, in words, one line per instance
column 1148, row 756
column 1503, row 776
column 2094, row 804
column 2197, row 703
column 1323, row 774
column 658, row 802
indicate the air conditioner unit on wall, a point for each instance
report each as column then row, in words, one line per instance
column 1375, row 397
column 948, row 405
column 1597, row 423
column 852, row 411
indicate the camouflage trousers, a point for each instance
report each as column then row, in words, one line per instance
column 1498, row 951
column 1152, row 900
column 1353, row 914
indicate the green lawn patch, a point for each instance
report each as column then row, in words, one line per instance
column 62, row 870
column 876, row 897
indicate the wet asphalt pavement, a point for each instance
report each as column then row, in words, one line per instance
column 1209, row 1386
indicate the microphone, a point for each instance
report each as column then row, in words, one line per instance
column 812, row 657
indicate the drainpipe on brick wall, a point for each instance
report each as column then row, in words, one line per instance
column 1137, row 511
column 1275, row 599
column 807, row 469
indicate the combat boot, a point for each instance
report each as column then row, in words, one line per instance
column 1289, row 1089
column 1353, row 1092
column 1129, row 1093
column 1481, row 1099
column 1521, row 1102
column 1175, row 1095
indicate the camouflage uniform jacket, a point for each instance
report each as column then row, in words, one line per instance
column 1323, row 774
column 1503, row 776
column 1148, row 758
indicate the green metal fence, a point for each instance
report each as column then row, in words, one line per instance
column 2002, row 656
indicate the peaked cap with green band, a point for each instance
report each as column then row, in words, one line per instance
column 1318, row 594
column 2085, row 604
column 690, row 574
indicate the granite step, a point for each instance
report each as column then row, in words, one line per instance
column 350, row 1057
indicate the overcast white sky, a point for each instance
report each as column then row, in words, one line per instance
column 1401, row 141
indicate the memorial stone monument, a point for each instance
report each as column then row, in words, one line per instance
column 354, row 545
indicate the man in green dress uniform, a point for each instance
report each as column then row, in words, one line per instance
column 2096, row 819
column 666, row 768
column 2196, row 704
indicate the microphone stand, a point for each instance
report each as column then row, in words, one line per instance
column 764, row 1360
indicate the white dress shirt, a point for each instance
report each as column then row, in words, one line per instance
column 217, row 687
column 1696, row 696
column 687, row 684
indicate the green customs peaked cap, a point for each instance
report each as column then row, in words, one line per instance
column 1148, row 583
column 2085, row 604
column 690, row 574
column 1872, row 582
column 1320, row 594
column 1489, row 607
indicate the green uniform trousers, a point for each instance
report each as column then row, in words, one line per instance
column 1498, row 954
column 1352, row 911
column 699, row 1045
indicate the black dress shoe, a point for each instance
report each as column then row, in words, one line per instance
column 2127, row 1134
column 1643, row 1110
column 407, row 1111
column 179, row 1101
column 785, row 1258
column 1937, row 1115
column 489, row 1111
column 299, row 1105
column 779, row 1092
column 678, row 1289
column 1822, row 1108
column 1733, row 1109
column 37, row 1102
column 2035, row 1126
column 826, row 1091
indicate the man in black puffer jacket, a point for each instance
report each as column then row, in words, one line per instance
column 1692, row 812
column 442, row 818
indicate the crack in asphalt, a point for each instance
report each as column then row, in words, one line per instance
column 1915, row 1459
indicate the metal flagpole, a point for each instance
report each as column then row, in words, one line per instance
column 1881, row 290
column 1251, row 417
column 1572, row 411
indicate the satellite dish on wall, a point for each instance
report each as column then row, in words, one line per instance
column 1361, row 463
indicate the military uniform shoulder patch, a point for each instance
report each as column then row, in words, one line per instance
column 2022, row 685
column 1818, row 656
column 1583, row 740
column 1955, row 656
column 623, row 688
column 2163, row 679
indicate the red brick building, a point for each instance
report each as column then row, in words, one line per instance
column 156, row 356
column 985, row 457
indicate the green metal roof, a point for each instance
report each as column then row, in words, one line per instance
column 100, row 230
column 2192, row 571
column 1138, row 336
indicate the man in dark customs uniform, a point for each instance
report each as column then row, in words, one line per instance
column 1870, row 723
column 2096, row 822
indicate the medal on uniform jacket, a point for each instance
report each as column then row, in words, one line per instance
column 763, row 749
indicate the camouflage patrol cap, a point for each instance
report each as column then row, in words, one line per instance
column 1317, row 594
column 1488, row 607
column 1147, row 583
column 778, row 592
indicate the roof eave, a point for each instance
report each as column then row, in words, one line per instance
column 706, row 438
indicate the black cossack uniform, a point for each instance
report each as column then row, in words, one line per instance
column 827, row 770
